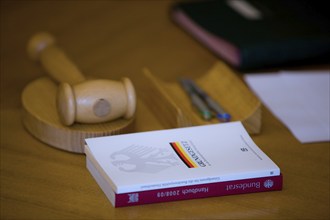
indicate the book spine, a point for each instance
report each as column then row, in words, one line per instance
column 254, row 185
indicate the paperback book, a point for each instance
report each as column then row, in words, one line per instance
column 181, row 163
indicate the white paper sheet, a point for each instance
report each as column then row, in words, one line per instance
column 300, row 99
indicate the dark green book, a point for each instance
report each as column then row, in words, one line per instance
column 251, row 34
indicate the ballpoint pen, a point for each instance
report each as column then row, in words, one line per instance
column 220, row 113
column 196, row 100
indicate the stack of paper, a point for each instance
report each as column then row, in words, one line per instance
column 299, row 99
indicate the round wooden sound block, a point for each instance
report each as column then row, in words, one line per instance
column 41, row 119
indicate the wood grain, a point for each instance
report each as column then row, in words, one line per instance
column 112, row 39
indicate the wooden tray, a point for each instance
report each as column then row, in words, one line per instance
column 169, row 102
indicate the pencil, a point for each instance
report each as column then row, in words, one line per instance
column 196, row 100
column 221, row 114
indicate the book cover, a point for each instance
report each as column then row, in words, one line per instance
column 252, row 34
column 178, row 157
column 263, row 184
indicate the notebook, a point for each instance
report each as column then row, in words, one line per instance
column 251, row 34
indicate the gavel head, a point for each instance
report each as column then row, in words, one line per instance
column 96, row 101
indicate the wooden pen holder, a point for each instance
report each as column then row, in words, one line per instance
column 169, row 102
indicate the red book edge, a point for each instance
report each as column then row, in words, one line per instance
column 270, row 183
column 243, row 186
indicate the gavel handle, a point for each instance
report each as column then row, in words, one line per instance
column 42, row 47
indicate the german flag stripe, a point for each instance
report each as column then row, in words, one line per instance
column 183, row 155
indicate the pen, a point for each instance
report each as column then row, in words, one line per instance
column 220, row 113
column 196, row 100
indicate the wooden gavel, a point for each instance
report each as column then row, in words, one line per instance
column 78, row 99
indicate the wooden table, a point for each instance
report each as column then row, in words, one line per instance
column 111, row 39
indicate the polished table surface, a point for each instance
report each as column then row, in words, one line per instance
column 111, row 39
